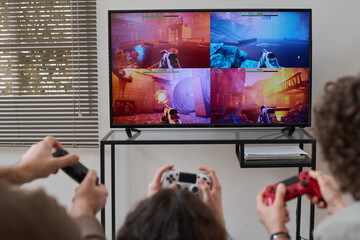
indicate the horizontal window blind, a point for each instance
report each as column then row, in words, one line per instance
column 48, row 72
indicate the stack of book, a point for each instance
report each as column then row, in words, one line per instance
column 274, row 152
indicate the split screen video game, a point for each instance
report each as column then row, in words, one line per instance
column 210, row 68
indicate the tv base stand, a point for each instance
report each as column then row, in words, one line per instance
column 290, row 130
column 129, row 132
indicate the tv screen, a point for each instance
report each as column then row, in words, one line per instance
column 210, row 68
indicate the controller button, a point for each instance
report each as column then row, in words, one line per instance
column 195, row 189
column 311, row 179
column 304, row 178
column 204, row 178
column 306, row 173
column 304, row 184
column 287, row 191
column 178, row 186
column 208, row 183
column 171, row 178
column 295, row 190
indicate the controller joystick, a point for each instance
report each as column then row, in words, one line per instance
column 295, row 186
column 77, row 171
column 186, row 181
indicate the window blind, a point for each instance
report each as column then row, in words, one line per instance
column 48, row 72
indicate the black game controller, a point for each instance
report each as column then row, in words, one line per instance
column 76, row 171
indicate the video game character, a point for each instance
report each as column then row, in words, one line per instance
column 170, row 116
column 268, row 60
column 267, row 115
column 169, row 59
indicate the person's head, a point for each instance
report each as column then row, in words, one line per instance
column 337, row 119
column 171, row 215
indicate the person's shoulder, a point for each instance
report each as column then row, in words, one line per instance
column 344, row 224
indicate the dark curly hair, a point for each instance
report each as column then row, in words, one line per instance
column 172, row 215
column 337, row 120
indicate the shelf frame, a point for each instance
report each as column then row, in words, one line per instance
column 238, row 137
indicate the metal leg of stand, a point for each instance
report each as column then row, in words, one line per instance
column 237, row 152
column 312, row 207
column 102, row 179
column 312, row 216
column 298, row 214
column 113, row 191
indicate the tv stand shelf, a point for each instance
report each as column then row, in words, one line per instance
column 240, row 138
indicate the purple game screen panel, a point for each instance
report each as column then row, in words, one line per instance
column 153, row 97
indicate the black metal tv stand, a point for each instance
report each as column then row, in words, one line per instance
column 236, row 137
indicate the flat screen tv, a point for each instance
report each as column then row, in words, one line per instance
column 210, row 68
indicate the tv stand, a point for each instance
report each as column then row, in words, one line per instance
column 290, row 130
column 239, row 138
column 129, row 132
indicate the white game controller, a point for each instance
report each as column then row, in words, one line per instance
column 186, row 181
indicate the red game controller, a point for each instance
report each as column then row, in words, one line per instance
column 295, row 186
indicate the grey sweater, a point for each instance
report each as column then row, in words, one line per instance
column 343, row 225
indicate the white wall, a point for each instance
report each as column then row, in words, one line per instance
column 336, row 53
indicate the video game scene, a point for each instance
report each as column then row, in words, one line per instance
column 264, row 96
column 160, row 40
column 259, row 39
column 142, row 96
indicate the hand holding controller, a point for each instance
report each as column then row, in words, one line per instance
column 76, row 171
column 186, row 181
column 295, row 186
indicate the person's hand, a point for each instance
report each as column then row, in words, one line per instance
column 155, row 184
column 38, row 161
column 335, row 200
column 89, row 198
column 212, row 194
column 273, row 217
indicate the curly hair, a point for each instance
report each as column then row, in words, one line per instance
column 337, row 120
column 172, row 215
